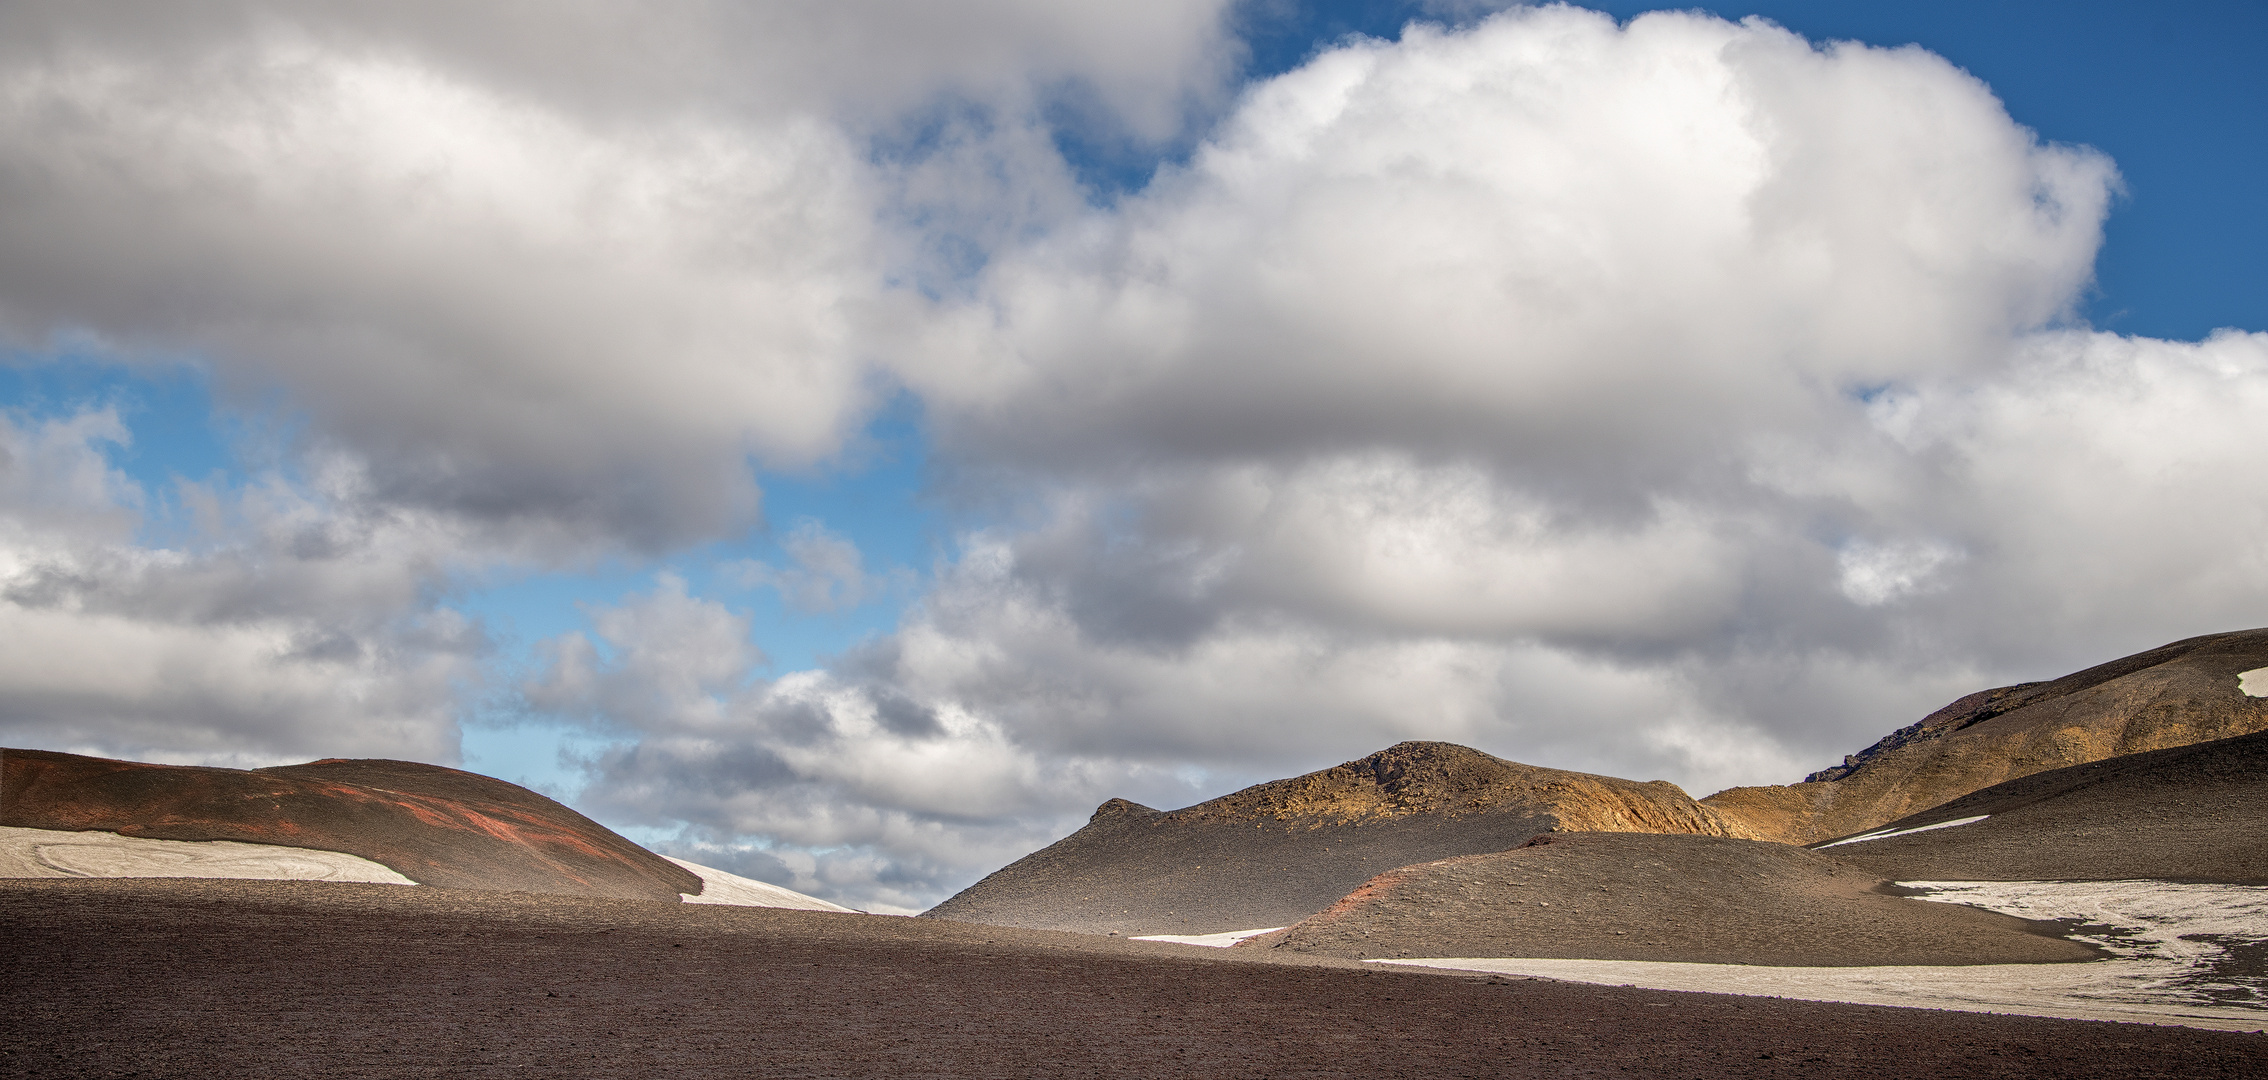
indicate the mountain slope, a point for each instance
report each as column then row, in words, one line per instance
column 2193, row 813
column 2175, row 695
column 1277, row 852
column 433, row 825
column 1683, row 899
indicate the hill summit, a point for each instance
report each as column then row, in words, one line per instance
column 1277, row 852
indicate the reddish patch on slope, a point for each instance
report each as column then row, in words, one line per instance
column 433, row 825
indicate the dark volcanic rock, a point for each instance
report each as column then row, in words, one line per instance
column 1689, row 899
column 1273, row 854
column 433, row 825
column 2174, row 695
column 2195, row 813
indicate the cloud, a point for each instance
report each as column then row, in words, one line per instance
column 828, row 574
column 566, row 273
column 1876, row 574
column 290, row 631
column 1586, row 256
column 856, row 789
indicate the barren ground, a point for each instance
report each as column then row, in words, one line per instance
column 204, row 978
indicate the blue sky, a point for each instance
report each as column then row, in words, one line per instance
column 646, row 416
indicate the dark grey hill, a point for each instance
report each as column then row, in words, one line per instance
column 1682, row 899
column 1275, row 853
column 2195, row 813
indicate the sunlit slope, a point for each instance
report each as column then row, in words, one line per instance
column 2189, row 813
column 1275, row 853
column 2176, row 695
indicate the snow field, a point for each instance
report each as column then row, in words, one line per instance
column 46, row 853
column 2170, row 946
column 1222, row 940
column 724, row 887
column 1888, row 833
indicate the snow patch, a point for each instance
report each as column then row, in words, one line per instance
column 724, row 887
column 1888, row 833
column 2177, row 957
column 48, row 853
column 1222, row 940
column 2254, row 683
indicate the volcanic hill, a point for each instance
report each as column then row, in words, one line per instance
column 2190, row 813
column 2174, row 695
column 1277, row 852
column 432, row 825
column 1684, row 899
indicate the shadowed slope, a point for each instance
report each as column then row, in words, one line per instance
column 2174, row 695
column 2191, row 813
column 1277, row 852
column 433, row 825
column 1687, row 899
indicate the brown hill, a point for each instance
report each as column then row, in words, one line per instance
column 1277, row 852
column 433, row 825
column 2174, row 695
column 1690, row 899
column 2193, row 813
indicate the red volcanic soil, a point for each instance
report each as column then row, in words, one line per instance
column 256, row 979
column 433, row 825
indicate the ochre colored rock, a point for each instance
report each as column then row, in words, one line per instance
column 1277, row 852
column 2174, row 695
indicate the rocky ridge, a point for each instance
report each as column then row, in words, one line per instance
column 2179, row 694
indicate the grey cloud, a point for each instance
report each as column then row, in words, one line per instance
column 242, row 651
column 564, row 274
column 829, row 574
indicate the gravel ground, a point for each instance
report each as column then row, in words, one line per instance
column 256, row 979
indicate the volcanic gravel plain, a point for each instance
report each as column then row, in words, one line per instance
column 254, row 979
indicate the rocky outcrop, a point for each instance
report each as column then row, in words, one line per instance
column 1448, row 780
column 433, row 825
column 2175, row 695
column 1277, row 852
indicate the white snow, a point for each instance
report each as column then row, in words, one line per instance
column 2254, row 683
column 1222, row 940
column 1887, row 834
column 2166, row 940
column 46, row 853
column 722, row 887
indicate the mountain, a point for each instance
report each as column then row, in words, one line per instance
column 2190, row 813
column 340, row 820
column 1277, row 852
column 1684, row 899
column 2188, row 692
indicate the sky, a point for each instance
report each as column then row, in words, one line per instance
column 846, row 442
